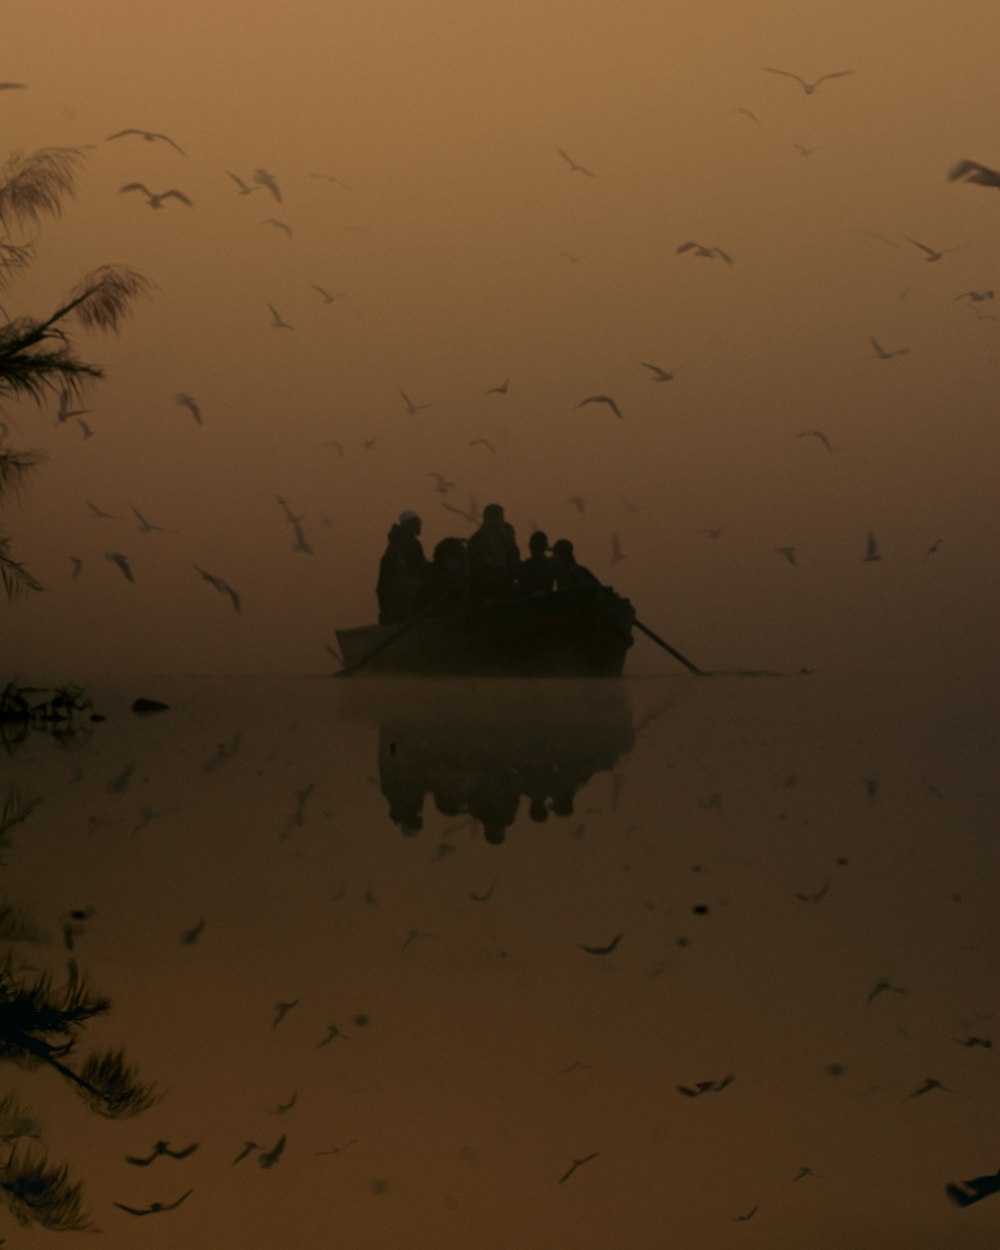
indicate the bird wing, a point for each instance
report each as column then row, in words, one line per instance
column 725, row 255
column 136, row 186
column 923, row 246
column 140, row 1163
column 686, row 247
column 875, row 343
column 177, row 195
column 787, row 74
column 972, row 171
column 872, row 545
column 837, row 73
column 119, row 133
column 188, row 1150
column 169, row 1206
column 167, row 139
column 132, row 1210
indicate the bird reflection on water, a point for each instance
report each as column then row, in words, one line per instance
column 479, row 748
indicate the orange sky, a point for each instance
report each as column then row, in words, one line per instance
column 444, row 121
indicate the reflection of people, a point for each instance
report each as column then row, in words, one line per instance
column 494, row 801
column 401, row 571
column 568, row 572
column 538, row 572
column 494, row 560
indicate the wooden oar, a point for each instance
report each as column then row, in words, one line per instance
column 387, row 642
column 698, row 672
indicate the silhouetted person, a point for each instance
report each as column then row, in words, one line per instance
column 494, row 559
column 568, row 572
column 448, row 579
column 401, row 571
column 538, row 572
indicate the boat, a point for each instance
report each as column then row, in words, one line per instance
column 581, row 631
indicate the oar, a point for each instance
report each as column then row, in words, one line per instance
column 699, row 672
column 387, row 642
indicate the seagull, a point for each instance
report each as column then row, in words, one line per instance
column 930, row 1083
column 882, row 354
column 972, row 171
column 603, row 950
column 278, row 225
column 247, row 1147
column 749, row 1215
column 244, row 189
column 499, row 390
column 65, row 412
column 659, row 375
column 161, row 1148
column 470, row 514
column 443, row 486
column 932, row 253
column 327, row 297
column 149, row 135
column 190, row 936
column 270, row 1157
column 700, row 249
column 121, row 561
column 276, row 320
column 788, row 553
column 815, row 434
column 616, row 550
column 577, row 1163
column 809, row 87
column 146, row 527
column 330, row 178
column 282, row 1010
column 574, row 167
column 77, row 565
column 264, row 179
column 602, row 399
column 411, row 407
column 747, row 113
column 806, row 1172
column 156, row 201
column 976, row 297
column 284, row 1106
column 882, row 987
column 99, row 514
column 871, row 550
column 935, row 545
column 187, row 401
column 981, row 1187
column 333, row 1030
column 221, row 586
column 154, row 1207
column 481, row 442
column 705, row 1087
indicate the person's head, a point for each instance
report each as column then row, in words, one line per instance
column 408, row 520
column 563, row 549
column 538, row 542
column 492, row 514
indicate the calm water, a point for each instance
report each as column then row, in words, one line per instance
column 423, row 866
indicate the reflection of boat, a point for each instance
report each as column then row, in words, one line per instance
column 583, row 631
column 478, row 748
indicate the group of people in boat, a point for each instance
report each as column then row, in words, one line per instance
column 485, row 568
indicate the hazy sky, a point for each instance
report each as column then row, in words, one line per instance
column 448, row 231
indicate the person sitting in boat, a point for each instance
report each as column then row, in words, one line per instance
column 494, row 558
column 447, row 585
column 568, row 572
column 538, row 572
column 402, row 571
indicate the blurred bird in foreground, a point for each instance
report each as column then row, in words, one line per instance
column 156, row 200
column 117, row 558
column 602, row 399
column 149, row 135
column 222, row 586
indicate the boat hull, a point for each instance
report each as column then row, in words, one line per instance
column 584, row 631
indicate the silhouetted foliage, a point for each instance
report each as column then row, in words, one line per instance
column 37, row 356
column 35, row 1193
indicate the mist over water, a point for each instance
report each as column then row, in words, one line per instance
column 759, row 856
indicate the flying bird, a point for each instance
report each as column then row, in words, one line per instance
column 930, row 1083
column 788, row 553
column 116, row 557
column 277, row 321
column 161, row 1148
column 154, row 1207
column 12, row 86
column 470, row 514
column 603, row 950
column 149, row 135
column 884, row 987
column 980, row 1187
column 244, row 189
column 700, row 249
column 747, row 113
column 281, row 1010
column 881, row 352
column 659, row 375
column 442, row 485
column 972, row 171
column 976, row 297
column 190, row 936
column 222, row 586
column 602, row 399
column 156, row 201
column 188, row 401
column 327, row 297
column 871, row 549
column 278, row 225
column 574, row 167
column 749, row 1215
column 932, row 253
column 499, row 390
column 705, row 1087
column 481, row 442
column 809, row 87
column 247, row 1147
column 577, row 1163
column 411, row 407
column 815, row 434
column 65, row 412
column 264, row 179
column 935, row 545
column 282, row 1107
column 270, row 1157
column 147, row 527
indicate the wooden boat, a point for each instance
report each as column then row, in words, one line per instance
column 583, row 631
